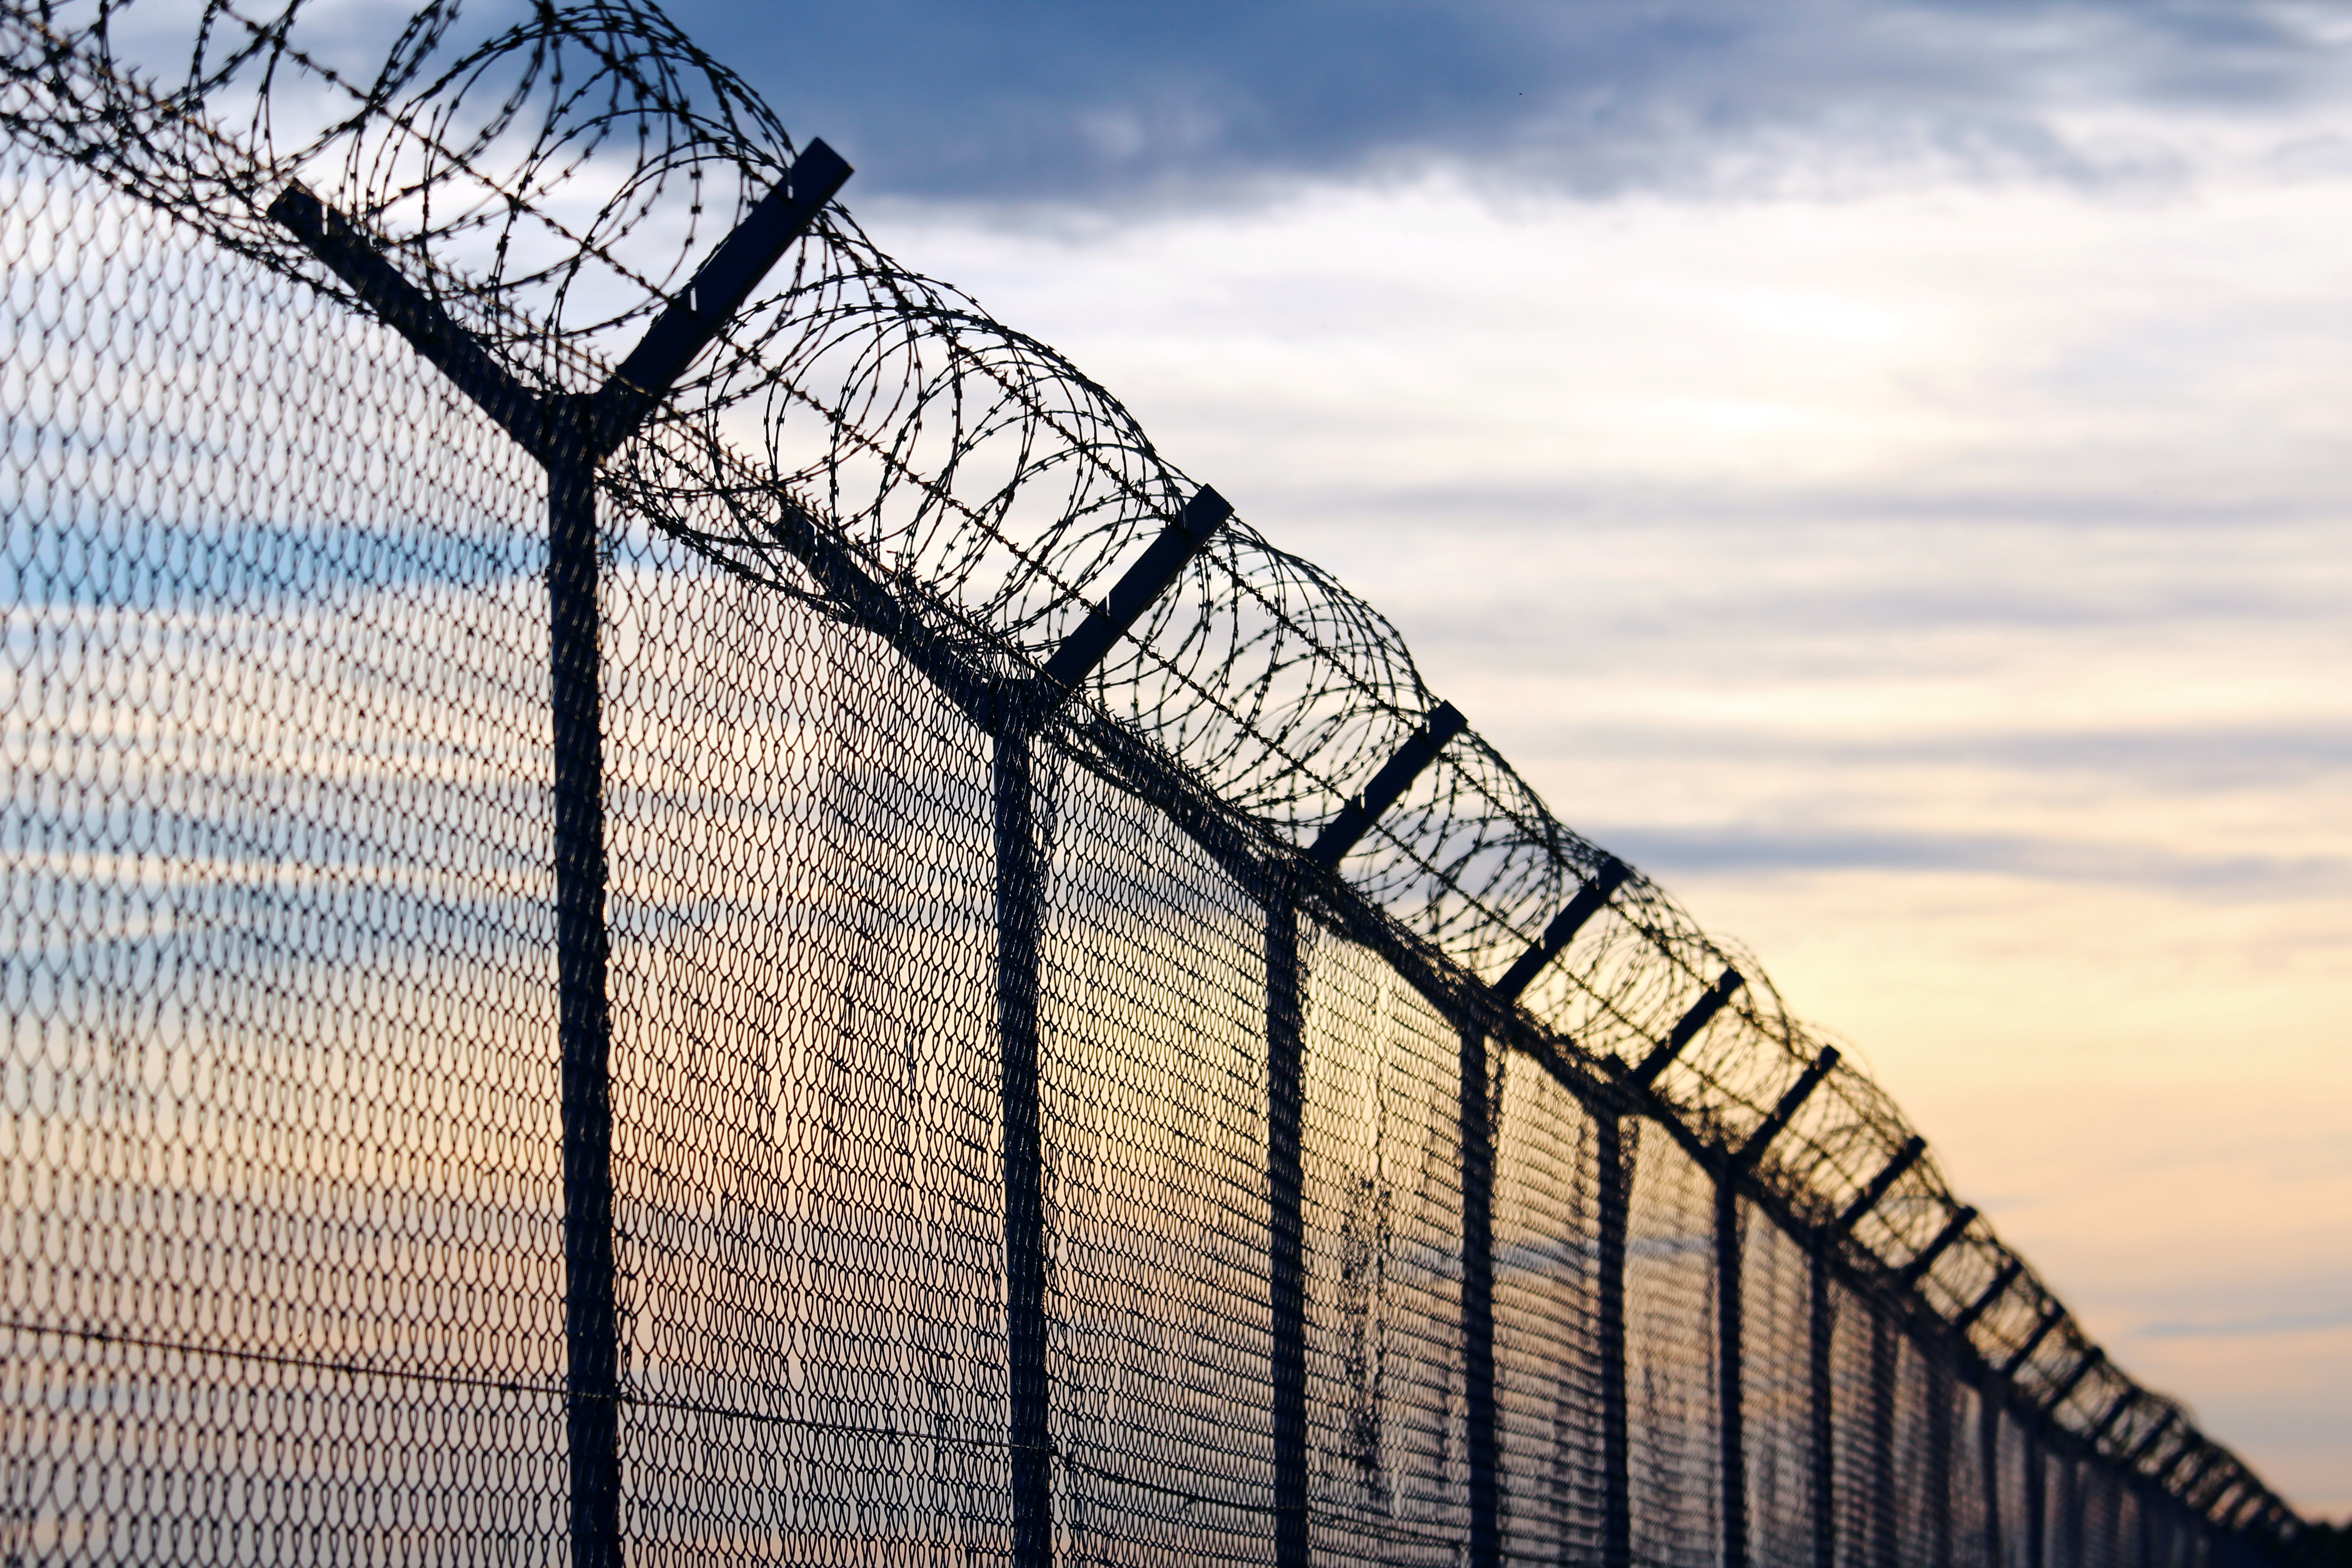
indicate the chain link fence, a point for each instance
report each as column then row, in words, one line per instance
column 802, row 951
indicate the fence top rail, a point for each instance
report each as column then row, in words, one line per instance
column 555, row 185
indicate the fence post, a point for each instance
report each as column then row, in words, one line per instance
column 2073, row 1529
column 570, row 437
column 1286, row 1096
column 1614, row 1175
column 1823, row 1348
column 1019, row 887
column 1885, row 1349
column 583, row 1021
column 2037, row 1477
column 1732, row 1426
column 1988, row 1442
column 1939, row 1396
column 1478, row 1300
column 1340, row 836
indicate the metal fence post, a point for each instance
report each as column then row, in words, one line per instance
column 1821, row 1351
column 1019, row 888
column 2037, row 1467
column 1940, row 1396
column 2103, row 1540
column 1989, row 1441
column 584, row 1027
column 1285, row 1079
column 1730, row 1406
column 1615, row 1174
column 1885, row 1349
column 1286, row 1095
column 571, row 435
column 1021, row 854
column 1478, row 1300
column 2073, row 1527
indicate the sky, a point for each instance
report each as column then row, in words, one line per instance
column 1883, row 469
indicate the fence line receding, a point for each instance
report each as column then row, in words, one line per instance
column 669, row 898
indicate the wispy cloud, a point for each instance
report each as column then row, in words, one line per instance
column 2231, row 1328
column 1716, row 850
column 2184, row 759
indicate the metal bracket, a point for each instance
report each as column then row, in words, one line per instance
column 2207, row 1456
column 2214, row 1481
column 716, row 291
column 1909, row 1273
column 2146, row 1444
column 1880, row 1184
column 1396, row 777
column 1590, row 900
column 416, row 316
column 2220, row 1505
column 549, row 427
column 1701, row 1013
column 1772, row 1126
column 2090, row 1362
column 1153, row 574
column 2124, row 1402
column 2052, row 1315
column 1991, row 1293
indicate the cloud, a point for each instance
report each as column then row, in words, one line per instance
column 2273, row 1323
column 1744, row 850
column 2181, row 758
column 1052, row 101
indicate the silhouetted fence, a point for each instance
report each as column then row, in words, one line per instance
column 800, row 950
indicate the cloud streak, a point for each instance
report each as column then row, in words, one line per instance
column 1052, row 101
column 1739, row 849
column 2183, row 758
column 2231, row 1328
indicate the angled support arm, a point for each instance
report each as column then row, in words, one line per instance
column 1954, row 1227
column 1153, row 574
column 2208, row 1456
column 2164, row 1472
column 1396, row 775
column 681, row 331
column 2146, row 1444
column 1881, row 1184
column 1590, row 900
column 719, row 289
column 2090, row 1361
column 416, row 316
column 2218, row 1504
column 2124, row 1402
column 2051, row 1317
column 1991, row 1293
column 1702, row 1012
column 1784, row 1112
column 2215, row 1482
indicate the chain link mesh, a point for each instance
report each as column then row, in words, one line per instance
column 1018, row 1150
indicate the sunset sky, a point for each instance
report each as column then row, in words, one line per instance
column 1881, row 468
